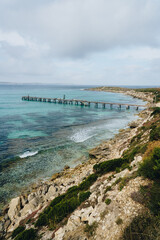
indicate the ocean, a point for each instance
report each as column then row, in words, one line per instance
column 38, row 139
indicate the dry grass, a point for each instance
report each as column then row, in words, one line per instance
column 150, row 148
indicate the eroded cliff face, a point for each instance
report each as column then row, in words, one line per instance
column 109, row 208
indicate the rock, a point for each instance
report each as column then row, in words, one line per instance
column 51, row 194
column 86, row 213
column 31, row 196
column 6, row 217
column 7, row 223
column 45, row 189
column 13, row 207
column 66, row 167
column 1, row 226
column 59, row 234
column 24, row 200
column 75, row 219
column 133, row 125
column 56, row 175
column 5, row 209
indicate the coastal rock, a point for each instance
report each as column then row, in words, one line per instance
column 59, row 234
column 51, row 194
column 31, row 196
column 13, row 207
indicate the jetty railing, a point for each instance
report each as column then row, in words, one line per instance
column 81, row 102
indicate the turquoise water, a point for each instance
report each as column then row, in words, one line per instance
column 38, row 139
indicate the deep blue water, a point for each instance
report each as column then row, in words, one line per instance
column 51, row 135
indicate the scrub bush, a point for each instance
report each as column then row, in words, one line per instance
column 83, row 196
column 108, row 166
column 18, row 230
column 155, row 134
column 151, row 165
column 88, row 182
column 29, row 234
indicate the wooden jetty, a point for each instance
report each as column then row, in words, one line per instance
column 79, row 102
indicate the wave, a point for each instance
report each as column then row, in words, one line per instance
column 28, row 154
column 82, row 135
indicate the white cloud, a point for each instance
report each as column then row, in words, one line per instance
column 91, row 40
column 12, row 38
column 140, row 53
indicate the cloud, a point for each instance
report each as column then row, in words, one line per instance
column 87, row 40
column 75, row 28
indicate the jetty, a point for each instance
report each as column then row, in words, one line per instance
column 80, row 102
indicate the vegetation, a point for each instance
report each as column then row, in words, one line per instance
column 155, row 133
column 17, row 231
column 83, row 196
column 29, row 234
column 90, row 229
column 154, row 91
column 88, row 182
column 151, row 165
column 109, row 188
column 108, row 166
column 123, row 182
column 143, row 227
column 119, row 221
column 156, row 111
column 108, row 201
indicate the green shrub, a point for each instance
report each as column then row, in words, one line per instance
column 156, row 111
column 119, row 221
column 151, row 166
column 83, row 196
column 88, row 182
column 29, row 234
column 155, row 134
column 57, row 200
column 18, row 230
column 108, row 201
column 108, row 166
column 109, row 188
column 126, row 165
column 42, row 220
column 72, row 189
column 117, row 170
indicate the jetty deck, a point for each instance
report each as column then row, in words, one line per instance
column 79, row 102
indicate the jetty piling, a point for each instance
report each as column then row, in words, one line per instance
column 81, row 102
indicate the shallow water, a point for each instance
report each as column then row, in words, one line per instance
column 38, row 139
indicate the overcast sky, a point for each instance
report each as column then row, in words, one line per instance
column 103, row 42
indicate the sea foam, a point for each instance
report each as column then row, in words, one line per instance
column 28, row 154
column 82, row 135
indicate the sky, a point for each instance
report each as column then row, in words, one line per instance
column 91, row 42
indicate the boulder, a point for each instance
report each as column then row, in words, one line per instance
column 13, row 208
column 51, row 194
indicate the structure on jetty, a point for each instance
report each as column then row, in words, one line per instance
column 77, row 102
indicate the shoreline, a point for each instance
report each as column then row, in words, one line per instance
column 145, row 96
column 22, row 206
